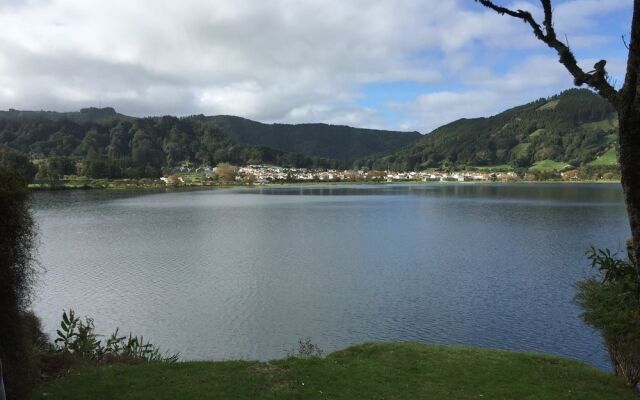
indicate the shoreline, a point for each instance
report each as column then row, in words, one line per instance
column 143, row 186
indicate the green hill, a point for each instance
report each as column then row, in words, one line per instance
column 125, row 142
column 320, row 140
column 370, row 371
column 575, row 127
column 112, row 146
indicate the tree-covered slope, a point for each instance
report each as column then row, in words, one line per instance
column 321, row 140
column 115, row 146
column 117, row 142
column 574, row 127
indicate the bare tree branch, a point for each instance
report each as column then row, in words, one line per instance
column 597, row 78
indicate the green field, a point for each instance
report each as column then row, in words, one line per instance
column 550, row 105
column 369, row 371
column 520, row 150
column 494, row 168
column 606, row 125
column 608, row 158
column 549, row 165
column 536, row 133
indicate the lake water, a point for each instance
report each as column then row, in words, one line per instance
column 244, row 273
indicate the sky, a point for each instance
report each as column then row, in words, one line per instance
column 386, row 64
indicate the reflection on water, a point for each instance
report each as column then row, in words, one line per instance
column 244, row 273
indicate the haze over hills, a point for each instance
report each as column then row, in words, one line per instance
column 90, row 114
column 575, row 127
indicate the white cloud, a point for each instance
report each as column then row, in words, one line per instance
column 280, row 60
column 340, row 115
column 583, row 14
column 536, row 71
column 430, row 110
column 488, row 93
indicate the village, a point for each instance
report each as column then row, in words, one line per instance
column 265, row 174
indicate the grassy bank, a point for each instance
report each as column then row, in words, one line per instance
column 370, row 371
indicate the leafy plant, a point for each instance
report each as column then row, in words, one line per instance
column 610, row 305
column 306, row 349
column 613, row 269
column 78, row 337
column 67, row 331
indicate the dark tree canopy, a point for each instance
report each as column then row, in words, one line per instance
column 14, row 160
column 132, row 146
column 16, row 278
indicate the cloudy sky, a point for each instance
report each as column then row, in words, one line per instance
column 395, row 64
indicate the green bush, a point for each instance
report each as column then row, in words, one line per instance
column 306, row 349
column 78, row 338
column 16, row 278
column 610, row 305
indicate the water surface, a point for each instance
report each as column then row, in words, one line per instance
column 245, row 273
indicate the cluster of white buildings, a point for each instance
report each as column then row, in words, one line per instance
column 265, row 174
column 468, row 176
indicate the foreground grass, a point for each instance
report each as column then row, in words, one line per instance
column 369, row 371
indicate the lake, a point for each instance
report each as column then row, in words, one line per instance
column 246, row 272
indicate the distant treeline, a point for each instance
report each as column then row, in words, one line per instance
column 338, row 142
column 574, row 128
column 133, row 148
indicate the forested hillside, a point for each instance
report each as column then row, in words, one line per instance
column 575, row 127
column 321, row 140
column 114, row 146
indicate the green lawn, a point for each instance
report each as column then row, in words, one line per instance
column 610, row 124
column 369, row 371
column 494, row 168
column 548, row 165
column 608, row 158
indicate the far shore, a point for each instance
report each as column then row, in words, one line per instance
column 127, row 184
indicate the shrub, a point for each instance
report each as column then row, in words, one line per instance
column 610, row 305
column 78, row 338
column 306, row 349
column 16, row 277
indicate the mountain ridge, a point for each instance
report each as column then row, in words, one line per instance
column 340, row 142
column 573, row 127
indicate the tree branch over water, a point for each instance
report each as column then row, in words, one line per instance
column 545, row 32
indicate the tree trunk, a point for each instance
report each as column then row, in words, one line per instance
column 629, row 120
